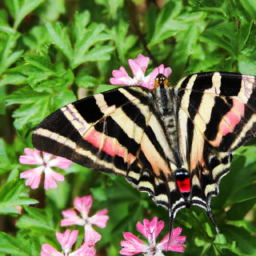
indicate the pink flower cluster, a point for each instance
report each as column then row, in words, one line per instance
column 138, row 67
column 33, row 176
column 150, row 230
column 91, row 237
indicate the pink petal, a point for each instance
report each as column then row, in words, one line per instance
column 71, row 218
column 67, row 239
column 132, row 245
column 33, row 177
column 99, row 219
column 138, row 64
column 159, row 227
column 31, row 157
column 83, row 205
column 48, row 250
column 122, row 81
column 84, row 250
column 120, row 73
column 91, row 237
column 176, row 244
column 47, row 157
column 121, row 77
column 50, row 177
column 142, row 229
column 60, row 162
column 150, row 230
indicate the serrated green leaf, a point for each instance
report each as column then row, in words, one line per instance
column 96, row 54
column 88, row 37
column 166, row 25
column 62, row 98
column 23, row 8
column 12, row 79
column 11, row 194
column 123, row 45
column 85, row 81
column 60, row 39
column 11, row 245
column 39, row 61
column 31, row 114
column 21, row 96
column 36, row 221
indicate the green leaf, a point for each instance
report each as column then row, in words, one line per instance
column 60, row 39
column 41, row 62
column 21, row 96
column 123, row 46
column 12, row 79
column 111, row 5
column 11, row 245
column 96, row 54
column 36, row 221
column 30, row 115
column 11, row 194
column 85, row 81
column 20, row 8
column 166, row 24
column 87, row 38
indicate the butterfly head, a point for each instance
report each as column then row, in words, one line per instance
column 160, row 80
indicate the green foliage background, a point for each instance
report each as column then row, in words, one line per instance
column 52, row 51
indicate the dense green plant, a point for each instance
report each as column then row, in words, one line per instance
column 52, row 51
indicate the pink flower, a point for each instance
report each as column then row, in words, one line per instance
column 33, row 176
column 138, row 67
column 133, row 245
column 67, row 240
column 83, row 205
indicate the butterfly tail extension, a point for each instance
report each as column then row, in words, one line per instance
column 171, row 221
column 210, row 215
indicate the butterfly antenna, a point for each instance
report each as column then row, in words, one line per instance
column 210, row 215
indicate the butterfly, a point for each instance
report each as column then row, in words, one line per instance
column 174, row 142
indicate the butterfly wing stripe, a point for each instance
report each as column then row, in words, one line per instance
column 103, row 106
column 81, row 151
column 107, row 144
column 155, row 159
column 211, row 189
column 245, row 132
column 111, row 128
column 55, row 136
column 75, row 119
column 217, row 171
column 127, row 125
column 183, row 117
column 230, row 84
column 89, row 109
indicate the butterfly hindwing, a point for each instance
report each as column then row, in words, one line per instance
column 218, row 110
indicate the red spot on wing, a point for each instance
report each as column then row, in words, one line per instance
column 107, row 144
column 184, row 185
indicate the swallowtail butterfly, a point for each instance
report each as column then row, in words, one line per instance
column 174, row 142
